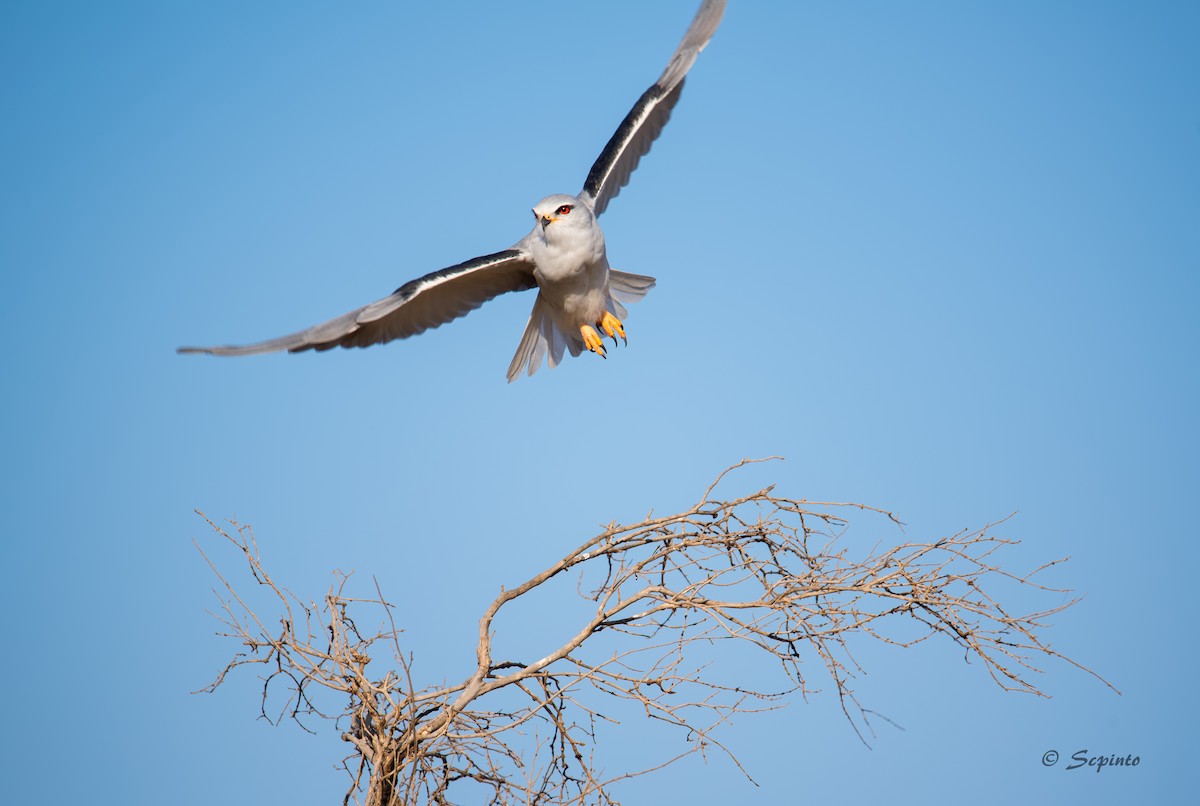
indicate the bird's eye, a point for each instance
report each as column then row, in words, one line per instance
column 566, row 208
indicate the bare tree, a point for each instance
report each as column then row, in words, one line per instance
column 760, row 571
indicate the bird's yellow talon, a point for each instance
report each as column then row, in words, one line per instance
column 592, row 340
column 613, row 326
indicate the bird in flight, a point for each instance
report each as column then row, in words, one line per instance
column 579, row 295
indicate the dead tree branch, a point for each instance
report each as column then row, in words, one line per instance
column 663, row 596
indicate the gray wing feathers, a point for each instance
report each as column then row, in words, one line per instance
column 649, row 115
column 415, row 307
column 703, row 26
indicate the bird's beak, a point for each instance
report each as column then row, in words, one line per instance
column 546, row 219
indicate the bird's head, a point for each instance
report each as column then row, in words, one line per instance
column 560, row 214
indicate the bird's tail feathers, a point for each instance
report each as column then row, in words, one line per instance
column 542, row 339
column 626, row 287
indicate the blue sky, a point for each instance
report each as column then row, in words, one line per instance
column 941, row 256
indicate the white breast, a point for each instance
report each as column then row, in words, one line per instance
column 571, row 269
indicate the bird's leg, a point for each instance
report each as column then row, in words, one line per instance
column 612, row 326
column 592, row 340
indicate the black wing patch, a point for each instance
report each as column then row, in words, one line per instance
column 627, row 146
column 649, row 115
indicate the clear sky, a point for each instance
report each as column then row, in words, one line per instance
column 941, row 256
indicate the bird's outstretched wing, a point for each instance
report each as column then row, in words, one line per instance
column 426, row 302
column 641, row 126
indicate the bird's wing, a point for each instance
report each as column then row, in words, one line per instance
column 641, row 126
column 415, row 307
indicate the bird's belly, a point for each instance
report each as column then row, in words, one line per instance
column 577, row 296
column 581, row 309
